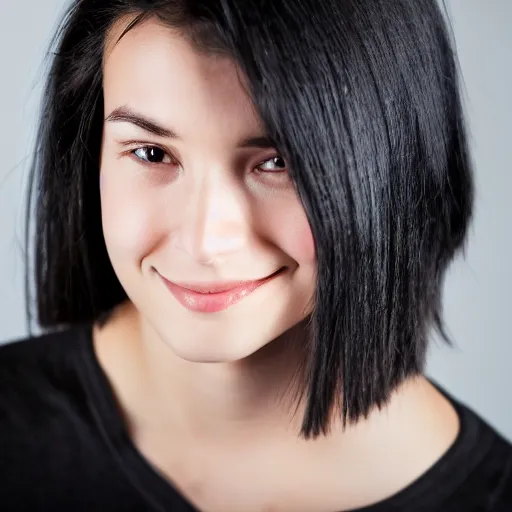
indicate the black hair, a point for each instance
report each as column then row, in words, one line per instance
column 362, row 98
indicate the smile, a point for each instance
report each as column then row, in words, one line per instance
column 214, row 297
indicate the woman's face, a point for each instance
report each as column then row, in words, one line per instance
column 191, row 193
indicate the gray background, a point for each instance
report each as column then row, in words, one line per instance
column 477, row 294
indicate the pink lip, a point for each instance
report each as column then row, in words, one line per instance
column 214, row 297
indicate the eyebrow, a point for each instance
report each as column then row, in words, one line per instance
column 127, row 115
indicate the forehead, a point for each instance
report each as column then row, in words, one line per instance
column 155, row 68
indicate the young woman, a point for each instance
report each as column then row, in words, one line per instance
column 244, row 214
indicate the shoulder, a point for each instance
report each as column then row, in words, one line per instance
column 486, row 456
column 496, row 470
column 40, row 354
column 502, row 502
column 44, row 346
column 53, row 450
column 36, row 371
column 43, row 399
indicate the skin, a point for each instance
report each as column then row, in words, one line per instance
column 208, row 398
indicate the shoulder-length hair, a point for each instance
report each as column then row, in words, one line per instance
column 362, row 98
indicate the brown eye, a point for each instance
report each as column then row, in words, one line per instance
column 152, row 155
column 273, row 165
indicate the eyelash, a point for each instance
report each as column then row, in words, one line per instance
column 174, row 161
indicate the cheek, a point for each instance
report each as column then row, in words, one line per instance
column 305, row 243
column 129, row 225
column 295, row 236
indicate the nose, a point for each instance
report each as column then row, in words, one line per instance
column 214, row 222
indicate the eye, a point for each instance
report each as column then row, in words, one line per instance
column 273, row 165
column 152, row 155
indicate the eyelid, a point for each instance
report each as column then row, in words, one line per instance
column 143, row 144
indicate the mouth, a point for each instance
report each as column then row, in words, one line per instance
column 214, row 297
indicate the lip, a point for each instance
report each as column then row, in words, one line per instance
column 214, row 297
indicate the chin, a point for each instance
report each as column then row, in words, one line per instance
column 213, row 351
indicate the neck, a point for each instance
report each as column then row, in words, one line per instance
column 257, row 394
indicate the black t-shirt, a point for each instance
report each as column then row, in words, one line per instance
column 64, row 445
